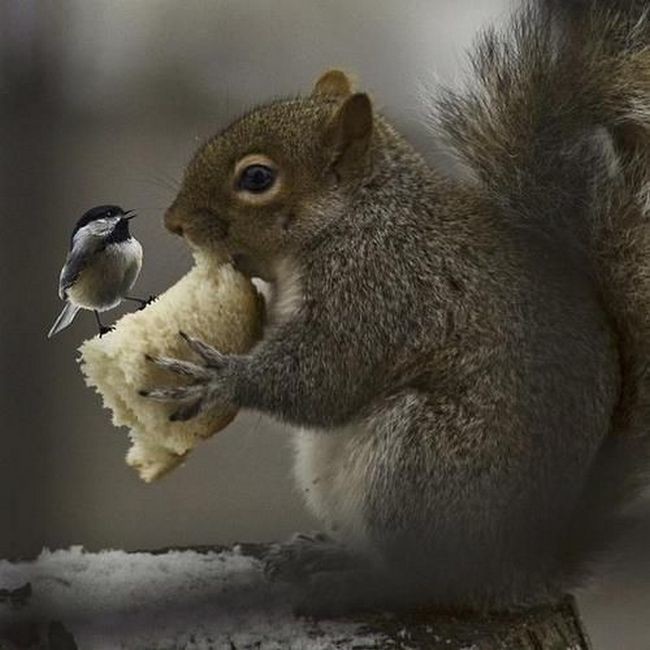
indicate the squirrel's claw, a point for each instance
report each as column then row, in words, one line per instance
column 194, row 399
column 212, row 357
column 211, row 384
column 188, row 411
column 180, row 367
column 173, row 393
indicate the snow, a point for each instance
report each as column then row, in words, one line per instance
column 180, row 599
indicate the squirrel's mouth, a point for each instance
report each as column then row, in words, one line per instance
column 219, row 228
column 249, row 266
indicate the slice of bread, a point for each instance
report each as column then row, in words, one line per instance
column 214, row 303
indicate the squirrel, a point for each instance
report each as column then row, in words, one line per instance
column 465, row 358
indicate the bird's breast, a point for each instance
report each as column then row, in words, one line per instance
column 108, row 277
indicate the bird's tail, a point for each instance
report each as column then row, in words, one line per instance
column 64, row 319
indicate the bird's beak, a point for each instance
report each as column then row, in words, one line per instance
column 132, row 214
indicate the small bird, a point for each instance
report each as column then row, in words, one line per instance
column 102, row 265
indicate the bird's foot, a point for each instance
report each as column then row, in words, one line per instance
column 148, row 301
column 142, row 301
column 105, row 329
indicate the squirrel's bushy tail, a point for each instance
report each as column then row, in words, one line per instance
column 557, row 134
column 561, row 93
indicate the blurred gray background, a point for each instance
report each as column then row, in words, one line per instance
column 104, row 102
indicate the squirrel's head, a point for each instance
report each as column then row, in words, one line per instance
column 274, row 176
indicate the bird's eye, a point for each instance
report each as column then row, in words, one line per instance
column 256, row 178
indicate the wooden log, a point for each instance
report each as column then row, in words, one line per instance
column 261, row 604
column 552, row 627
column 556, row 626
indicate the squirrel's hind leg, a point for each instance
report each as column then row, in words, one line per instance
column 305, row 555
column 327, row 579
column 465, row 536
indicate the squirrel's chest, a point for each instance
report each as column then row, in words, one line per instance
column 286, row 294
column 333, row 471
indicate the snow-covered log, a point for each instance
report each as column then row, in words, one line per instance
column 206, row 598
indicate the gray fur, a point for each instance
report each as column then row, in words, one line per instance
column 469, row 359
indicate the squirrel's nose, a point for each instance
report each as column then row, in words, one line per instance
column 174, row 221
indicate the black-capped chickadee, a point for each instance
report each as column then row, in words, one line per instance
column 103, row 264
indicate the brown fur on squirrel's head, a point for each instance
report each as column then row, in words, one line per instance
column 256, row 188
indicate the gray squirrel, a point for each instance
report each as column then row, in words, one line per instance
column 465, row 359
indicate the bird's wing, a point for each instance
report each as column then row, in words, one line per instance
column 84, row 247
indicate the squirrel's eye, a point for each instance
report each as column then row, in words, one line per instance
column 256, row 178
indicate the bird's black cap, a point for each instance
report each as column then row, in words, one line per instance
column 98, row 212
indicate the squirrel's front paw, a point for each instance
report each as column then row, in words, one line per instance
column 212, row 382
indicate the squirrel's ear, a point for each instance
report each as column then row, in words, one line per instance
column 333, row 83
column 348, row 133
